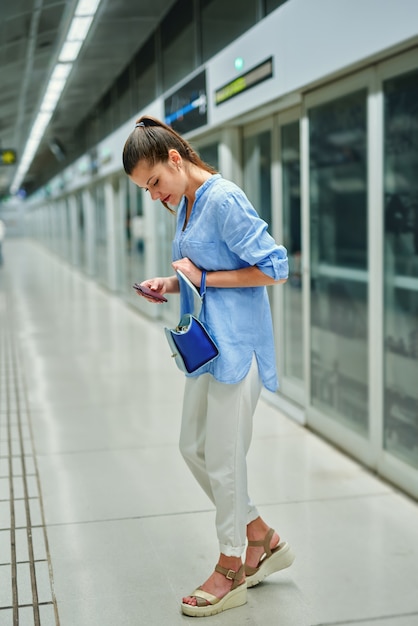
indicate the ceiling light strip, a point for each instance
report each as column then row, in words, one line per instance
column 77, row 33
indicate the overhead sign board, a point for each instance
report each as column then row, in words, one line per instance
column 245, row 81
column 186, row 108
column 7, row 156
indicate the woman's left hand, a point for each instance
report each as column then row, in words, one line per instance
column 189, row 269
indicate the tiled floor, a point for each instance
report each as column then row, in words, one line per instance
column 127, row 531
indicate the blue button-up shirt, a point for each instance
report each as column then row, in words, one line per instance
column 225, row 232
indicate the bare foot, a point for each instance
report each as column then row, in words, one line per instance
column 217, row 584
column 256, row 531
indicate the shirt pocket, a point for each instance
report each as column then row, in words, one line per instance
column 201, row 253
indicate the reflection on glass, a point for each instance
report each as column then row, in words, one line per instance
column 257, row 178
column 209, row 154
column 100, row 251
column 401, row 267
column 135, row 239
column 271, row 5
column 257, row 173
column 339, row 278
column 145, row 74
column 165, row 234
column 67, row 230
column 292, row 292
column 178, row 48
column 81, row 232
column 223, row 22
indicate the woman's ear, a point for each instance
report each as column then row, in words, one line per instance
column 174, row 157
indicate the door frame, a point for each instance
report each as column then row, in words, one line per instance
column 290, row 387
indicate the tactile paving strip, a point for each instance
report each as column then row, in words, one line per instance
column 26, row 583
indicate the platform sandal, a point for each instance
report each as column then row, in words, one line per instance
column 273, row 560
column 236, row 597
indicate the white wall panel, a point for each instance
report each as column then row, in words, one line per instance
column 309, row 40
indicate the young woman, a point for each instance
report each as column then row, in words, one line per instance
column 218, row 231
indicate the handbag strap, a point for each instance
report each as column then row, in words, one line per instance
column 199, row 294
column 203, row 285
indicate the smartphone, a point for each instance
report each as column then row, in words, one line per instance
column 150, row 293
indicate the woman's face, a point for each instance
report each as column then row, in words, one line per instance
column 164, row 181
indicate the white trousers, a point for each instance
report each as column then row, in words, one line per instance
column 215, row 436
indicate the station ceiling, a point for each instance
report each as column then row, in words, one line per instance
column 31, row 35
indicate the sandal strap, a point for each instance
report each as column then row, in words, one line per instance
column 265, row 543
column 231, row 575
column 203, row 598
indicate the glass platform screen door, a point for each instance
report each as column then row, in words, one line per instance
column 271, row 175
column 336, row 123
column 257, row 178
column 399, row 85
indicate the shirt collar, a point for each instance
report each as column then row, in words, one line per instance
column 206, row 185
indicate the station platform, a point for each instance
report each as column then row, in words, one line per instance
column 101, row 523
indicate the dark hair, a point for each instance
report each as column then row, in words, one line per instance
column 151, row 141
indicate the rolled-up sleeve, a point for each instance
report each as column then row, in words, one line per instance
column 276, row 265
column 246, row 235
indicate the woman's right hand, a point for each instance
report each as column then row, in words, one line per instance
column 162, row 284
column 152, row 295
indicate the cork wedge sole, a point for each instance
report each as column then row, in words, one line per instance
column 272, row 561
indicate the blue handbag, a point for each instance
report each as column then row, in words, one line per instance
column 190, row 342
